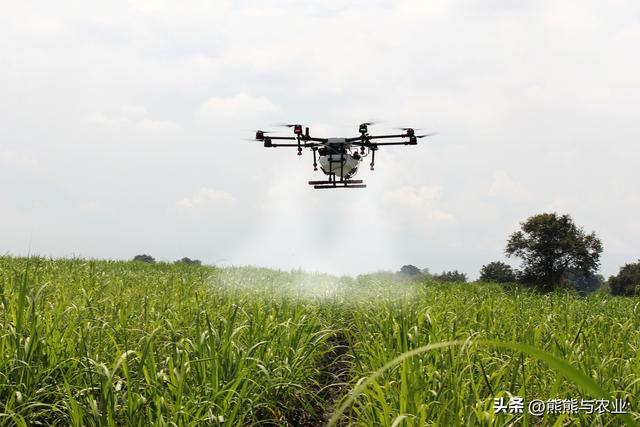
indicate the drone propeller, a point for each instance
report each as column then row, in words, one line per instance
column 260, row 134
column 297, row 128
column 408, row 128
column 371, row 122
column 426, row 134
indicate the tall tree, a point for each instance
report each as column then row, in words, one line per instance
column 144, row 258
column 498, row 272
column 627, row 281
column 549, row 245
column 409, row 270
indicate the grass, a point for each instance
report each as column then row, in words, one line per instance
column 118, row 343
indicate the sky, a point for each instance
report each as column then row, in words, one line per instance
column 123, row 126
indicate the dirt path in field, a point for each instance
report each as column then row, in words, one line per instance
column 335, row 374
column 332, row 384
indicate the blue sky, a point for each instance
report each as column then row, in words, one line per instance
column 122, row 126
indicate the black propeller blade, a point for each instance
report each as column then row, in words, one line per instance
column 297, row 128
column 260, row 134
column 426, row 134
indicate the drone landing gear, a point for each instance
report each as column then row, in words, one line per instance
column 354, row 183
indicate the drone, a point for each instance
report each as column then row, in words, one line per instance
column 339, row 158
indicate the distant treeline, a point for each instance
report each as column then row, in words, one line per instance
column 554, row 254
column 152, row 260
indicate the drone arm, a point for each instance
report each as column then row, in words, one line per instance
column 404, row 135
column 290, row 138
column 375, row 144
column 396, row 143
column 365, row 138
column 354, row 139
column 310, row 138
column 302, row 145
column 413, row 140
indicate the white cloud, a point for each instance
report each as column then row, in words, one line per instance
column 131, row 116
column 205, row 199
column 97, row 118
column 418, row 202
column 148, row 6
column 413, row 197
column 134, row 110
column 90, row 207
column 241, row 104
column 506, row 187
column 18, row 159
column 158, row 125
